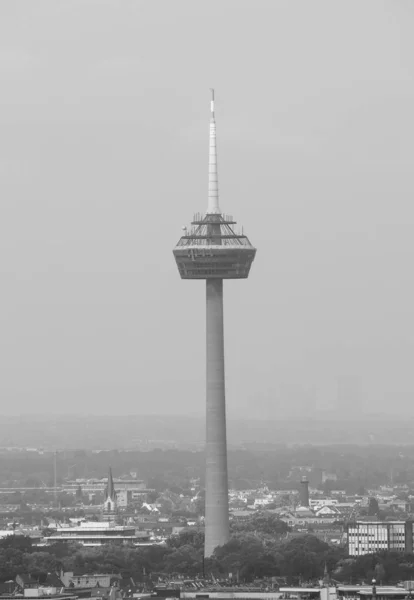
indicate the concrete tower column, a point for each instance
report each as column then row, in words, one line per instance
column 217, row 507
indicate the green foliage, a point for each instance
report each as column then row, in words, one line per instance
column 38, row 563
column 385, row 567
column 185, row 559
column 193, row 538
column 264, row 523
column 373, row 508
column 16, row 542
column 253, row 557
column 248, row 556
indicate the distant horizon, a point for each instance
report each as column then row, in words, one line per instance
column 316, row 414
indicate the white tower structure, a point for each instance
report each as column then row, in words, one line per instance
column 213, row 251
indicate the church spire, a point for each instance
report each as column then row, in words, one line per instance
column 110, row 506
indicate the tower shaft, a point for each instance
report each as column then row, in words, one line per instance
column 217, row 509
column 304, row 492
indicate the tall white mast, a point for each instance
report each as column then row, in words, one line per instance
column 213, row 195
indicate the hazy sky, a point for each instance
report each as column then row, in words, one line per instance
column 104, row 115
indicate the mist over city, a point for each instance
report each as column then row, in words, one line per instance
column 206, row 330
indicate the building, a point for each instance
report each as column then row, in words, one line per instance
column 49, row 581
column 25, row 580
column 295, row 593
column 304, row 518
column 96, row 486
column 328, row 476
column 85, row 580
column 46, row 593
column 327, row 511
column 317, row 502
column 368, row 537
column 96, row 534
column 360, row 592
column 123, row 498
column 213, row 251
column 8, row 532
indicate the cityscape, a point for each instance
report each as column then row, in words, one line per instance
column 309, row 517
column 250, row 441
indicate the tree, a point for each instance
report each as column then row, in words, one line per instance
column 79, row 494
column 18, row 542
column 37, row 563
column 373, row 508
column 247, row 556
column 185, row 560
column 11, row 563
column 192, row 537
column 263, row 523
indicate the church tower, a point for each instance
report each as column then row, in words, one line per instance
column 110, row 507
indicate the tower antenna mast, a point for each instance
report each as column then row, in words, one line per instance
column 55, row 478
column 213, row 207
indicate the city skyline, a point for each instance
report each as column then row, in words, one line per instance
column 219, row 438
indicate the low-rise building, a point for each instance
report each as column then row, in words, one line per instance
column 124, row 498
column 99, row 533
column 85, row 580
column 323, row 501
column 368, row 537
column 50, row 581
column 361, row 592
column 300, row 518
column 327, row 511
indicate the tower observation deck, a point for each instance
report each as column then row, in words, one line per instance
column 213, row 250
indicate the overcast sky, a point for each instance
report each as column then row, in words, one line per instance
column 104, row 115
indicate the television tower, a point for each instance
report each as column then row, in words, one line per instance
column 212, row 250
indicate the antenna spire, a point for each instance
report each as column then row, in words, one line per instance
column 213, row 196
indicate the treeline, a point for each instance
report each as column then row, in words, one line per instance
column 266, row 552
column 246, row 556
column 356, row 468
